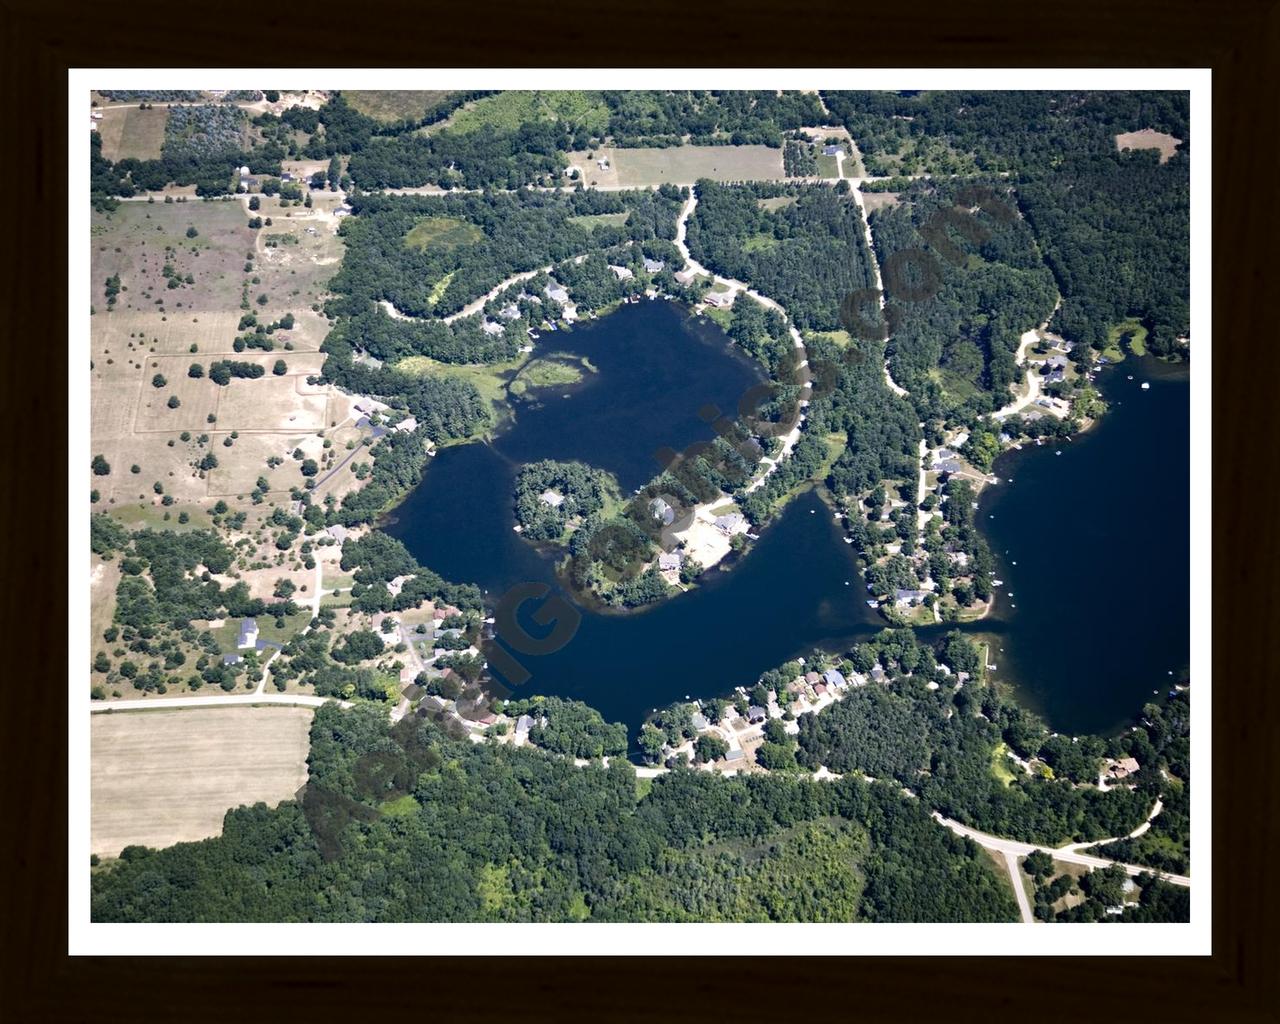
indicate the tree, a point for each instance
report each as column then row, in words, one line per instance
column 101, row 467
column 195, row 370
column 254, row 202
column 709, row 748
column 191, row 231
column 173, row 402
column 1038, row 864
column 158, row 381
column 285, row 589
column 280, row 368
column 309, row 467
column 102, row 663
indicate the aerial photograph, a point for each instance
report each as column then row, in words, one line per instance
column 638, row 506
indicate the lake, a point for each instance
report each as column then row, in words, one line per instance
column 1101, row 535
column 799, row 586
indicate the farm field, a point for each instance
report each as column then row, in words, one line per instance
column 169, row 776
column 682, row 165
column 508, row 110
column 133, row 419
column 1148, row 138
column 394, row 104
column 130, row 133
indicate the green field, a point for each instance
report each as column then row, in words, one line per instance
column 442, row 233
column 509, row 110
column 1115, row 350
column 128, row 132
column 229, row 632
column 138, row 516
column 759, row 241
column 828, row 167
column 554, row 370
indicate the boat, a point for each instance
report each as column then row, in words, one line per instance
column 1146, row 386
column 997, row 583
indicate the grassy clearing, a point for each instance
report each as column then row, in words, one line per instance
column 394, row 104
column 128, row 132
column 759, row 241
column 643, row 787
column 680, row 165
column 145, row 515
column 442, row 233
column 828, row 166
column 229, row 631
column 490, row 378
column 508, row 110
column 401, row 807
column 776, row 203
column 595, row 220
column 1000, row 764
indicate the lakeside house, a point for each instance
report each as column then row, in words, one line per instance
column 1123, row 768
column 654, row 266
column 248, row 633
column 948, row 466
column 685, row 276
column 755, row 713
column 551, row 497
column 721, row 300
column 621, row 273
column 491, row 328
column 732, row 523
column 407, row 425
column 699, row 722
column 397, row 585
column 906, row 598
column 509, row 312
column 556, row 294
column 662, row 512
column 833, row 677
column 668, row 561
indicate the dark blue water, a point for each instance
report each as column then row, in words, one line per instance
column 1101, row 537
column 799, row 587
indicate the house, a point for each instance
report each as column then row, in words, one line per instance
column 509, row 312
column 523, row 724
column 243, row 172
column 338, row 533
column 721, row 300
column 949, row 466
column 654, row 266
column 699, row 722
column 960, row 440
column 877, row 673
column 830, row 150
column 621, row 273
column 286, row 176
column 553, row 498
column 397, row 585
column 734, row 522
column 248, row 633
column 685, row 276
column 735, row 755
column 603, row 163
column 1123, row 768
column 491, row 328
column 755, row 713
column 556, row 293
column 833, row 677
column 820, row 689
column 668, row 560
column 662, row 512
column 407, row 425
column 906, row 598
column 812, row 677
column 295, row 508
column 231, row 659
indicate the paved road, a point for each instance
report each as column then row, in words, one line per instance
column 1067, row 854
column 1019, row 890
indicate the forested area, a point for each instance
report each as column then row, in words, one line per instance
column 702, row 118
column 1113, row 227
column 806, row 256
column 942, row 743
column 495, row 833
column 512, row 233
column 961, row 284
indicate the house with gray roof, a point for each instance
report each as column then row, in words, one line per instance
column 833, row 677
column 653, row 266
column 248, row 633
